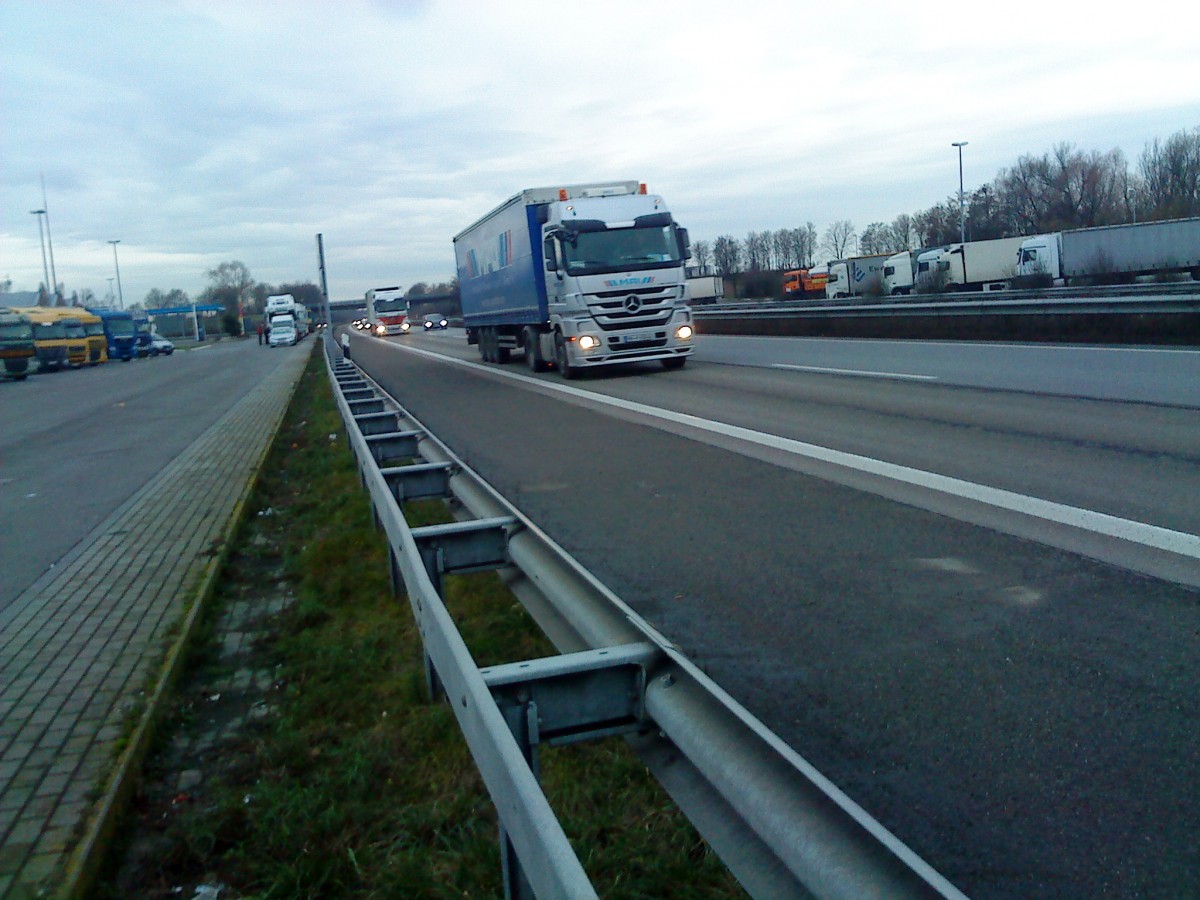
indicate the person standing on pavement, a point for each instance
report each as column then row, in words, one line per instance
column 260, row 329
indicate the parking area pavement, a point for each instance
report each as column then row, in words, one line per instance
column 81, row 647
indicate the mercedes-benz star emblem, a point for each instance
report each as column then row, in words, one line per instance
column 633, row 303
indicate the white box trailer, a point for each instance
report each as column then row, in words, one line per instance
column 704, row 285
column 973, row 266
column 856, row 276
column 1141, row 249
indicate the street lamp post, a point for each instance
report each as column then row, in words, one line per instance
column 117, row 266
column 49, row 242
column 42, row 238
column 962, row 215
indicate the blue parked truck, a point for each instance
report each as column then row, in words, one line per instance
column 121, row 331
column 580, row 277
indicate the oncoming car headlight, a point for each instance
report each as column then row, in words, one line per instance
column 588, row 342
column 684, row 332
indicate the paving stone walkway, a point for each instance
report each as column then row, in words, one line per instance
column 77, row 647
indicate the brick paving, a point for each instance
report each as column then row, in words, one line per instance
column 77, row 647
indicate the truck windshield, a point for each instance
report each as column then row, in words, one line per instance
column 17, row 331
column 50, row 331
column 74, row 330
column 396, row 305
column 120, row 327
column 622, row 250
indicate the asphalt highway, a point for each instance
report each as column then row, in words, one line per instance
column 974, row 608
column 77, row 444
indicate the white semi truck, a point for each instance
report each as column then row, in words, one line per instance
column 387, row 311
column 856, row 276
column 580, row 276
column 1113, row 252
column 973, row 266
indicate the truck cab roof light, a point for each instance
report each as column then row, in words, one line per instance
column 642, row 188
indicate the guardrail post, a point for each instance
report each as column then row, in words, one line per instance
column 516, row 884
column 458, row 548
column 391, row 446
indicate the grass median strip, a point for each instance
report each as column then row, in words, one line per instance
column 302, row 759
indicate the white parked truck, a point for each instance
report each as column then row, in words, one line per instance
column 1114, row 252
column 900, row 272
column 280, row 305
column 973, row 266
column 582, row 276
column 704, row 285
column 856, row 276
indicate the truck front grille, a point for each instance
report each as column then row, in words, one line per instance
column 617, row 310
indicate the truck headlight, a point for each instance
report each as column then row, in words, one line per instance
column 404, row 326
column 684, row 333
column 381, row 330
column 588, row 343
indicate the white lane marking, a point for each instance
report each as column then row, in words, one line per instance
column 1179, row 542
column 860, row 372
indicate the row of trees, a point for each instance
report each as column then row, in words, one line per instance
column 1061, row 189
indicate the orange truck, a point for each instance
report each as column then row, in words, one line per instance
column 805, row 282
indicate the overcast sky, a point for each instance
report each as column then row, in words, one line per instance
column 201, row 132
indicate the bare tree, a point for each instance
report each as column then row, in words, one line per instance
column 757, row 249
column 727, row 254
column 232, row 274
column 702, row 253
column 838, row 238
column 805, row 241
column 1171, row 173
column 938, row 225
column 876, row 238
column 904, row 233
column 1065, row 188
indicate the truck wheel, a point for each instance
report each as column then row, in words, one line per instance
column 533, row 358
column 674, row 362
column 560, row 357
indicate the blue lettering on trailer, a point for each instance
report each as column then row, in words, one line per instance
column 629, row 282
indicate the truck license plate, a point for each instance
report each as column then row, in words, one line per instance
column 637, row 337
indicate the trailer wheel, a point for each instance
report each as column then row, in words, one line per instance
column 560, row 357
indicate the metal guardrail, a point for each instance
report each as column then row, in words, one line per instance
column 780, row 826
column 1122, row 299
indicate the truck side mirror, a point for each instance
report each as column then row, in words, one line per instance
column 685, row 243
column 548, row 251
